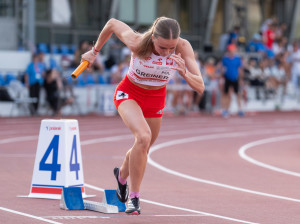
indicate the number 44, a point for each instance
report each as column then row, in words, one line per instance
column 54, row 167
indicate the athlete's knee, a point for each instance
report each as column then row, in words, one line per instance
column 143, row 139
column 128, row 155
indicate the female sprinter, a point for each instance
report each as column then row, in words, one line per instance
column 140, row 97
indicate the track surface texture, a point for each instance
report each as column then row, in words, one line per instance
column 201, row 169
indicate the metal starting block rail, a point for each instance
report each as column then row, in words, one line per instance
column 100, row 207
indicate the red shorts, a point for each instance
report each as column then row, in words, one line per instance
column 152, row 102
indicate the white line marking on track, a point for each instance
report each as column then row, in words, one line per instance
column 179, row 208
column 18, row 139
column 244, row 148
column 17, row 155
column 166, row 133
column 210, row 137
column 28, row 215
column 117, row 216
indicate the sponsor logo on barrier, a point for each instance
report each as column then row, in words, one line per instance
column 73, row 128
column 53, row 128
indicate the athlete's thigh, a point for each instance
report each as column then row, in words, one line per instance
column 133, row 117
column 154, row 124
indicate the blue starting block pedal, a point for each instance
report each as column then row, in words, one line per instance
column 71, row 199
column 110, row 197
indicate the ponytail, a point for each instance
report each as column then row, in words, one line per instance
column 146, row 45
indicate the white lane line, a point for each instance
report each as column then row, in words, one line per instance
column 163, row 133
column 107, row 139
column 168, row 133
column 18, row 139
column 179, row 208
column 210, row 137
column 244, row 148
column 28, row 215
column 117, row 216
column 8, row 155
column 217, row 128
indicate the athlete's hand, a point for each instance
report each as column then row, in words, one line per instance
column 180, row 64
column 89, row 56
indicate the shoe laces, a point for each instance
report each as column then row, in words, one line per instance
column 135, row 201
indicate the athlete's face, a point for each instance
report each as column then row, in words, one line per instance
column 164, row 47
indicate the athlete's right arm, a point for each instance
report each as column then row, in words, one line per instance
column 122, row 31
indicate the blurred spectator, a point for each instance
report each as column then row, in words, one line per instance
column 54, row 90
column 279, row 78
column 82, row 48
column 112, row 49
column 65, row 62
column 256, row 78
column 234, row 36
column 295, row 69
column 266, row 68
column 197, row 97
column 279, row 45
column 265, row 25
column 223, row 41
column 182, row 101
column 212, row 75
column 231, row 64
column 34, row 77
column 98, row 65
column 41, row 59
column 125, row 51
column 256, row 44
column 4, row 94
column 119, row 71
column 280, row 30
column 269, row 35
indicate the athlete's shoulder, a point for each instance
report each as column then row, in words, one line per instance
column 183, row 45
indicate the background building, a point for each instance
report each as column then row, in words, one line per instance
column 53, row 22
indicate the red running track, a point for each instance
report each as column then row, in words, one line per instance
column 202, row 169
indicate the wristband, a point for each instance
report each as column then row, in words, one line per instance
column 93, row 53
column 95, row 48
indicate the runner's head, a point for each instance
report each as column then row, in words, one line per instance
column 161, row 38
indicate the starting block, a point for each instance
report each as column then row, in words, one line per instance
column 71, row 199
column 110, row 198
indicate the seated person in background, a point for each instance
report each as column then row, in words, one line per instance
column 212, row 75
column 54, row 86
column 4, row 95
column 257, row 79
column 277, row 76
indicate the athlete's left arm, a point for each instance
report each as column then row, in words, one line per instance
column 187, row 66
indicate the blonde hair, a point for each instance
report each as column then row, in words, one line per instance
column 164, row 27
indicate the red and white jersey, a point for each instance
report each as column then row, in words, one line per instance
column 152, row 71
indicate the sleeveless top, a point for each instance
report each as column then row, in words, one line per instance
column 152, row 71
